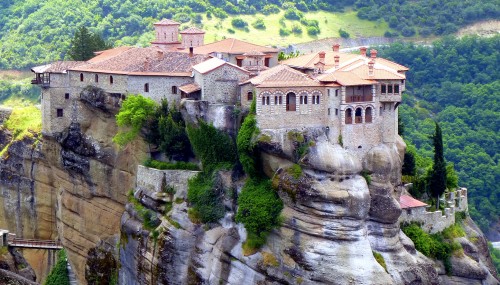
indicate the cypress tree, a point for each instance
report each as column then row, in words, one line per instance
column 437, row 180
column 85, row 43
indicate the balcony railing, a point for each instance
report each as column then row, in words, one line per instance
column 358, row 98
column 390, row 98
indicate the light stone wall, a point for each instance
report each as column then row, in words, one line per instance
column 160, row 87
column 433, row 222
column 244, row 95
column 275, row 116
column 222, row 84
column 150, row 180
column 192, row 40
column 53, row 98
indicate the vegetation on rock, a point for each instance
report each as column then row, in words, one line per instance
column 464, row 99
column 163, row 165
column 495, row 256
column 23, row 122
column 59, row 273
column 136, row 110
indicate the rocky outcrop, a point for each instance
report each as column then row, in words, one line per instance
column 339, row 210
column 14, row 269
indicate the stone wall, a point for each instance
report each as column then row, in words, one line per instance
column 433, row 222
column 55, row 98
column 160, row 87
column 222, row 84
column 150, row 180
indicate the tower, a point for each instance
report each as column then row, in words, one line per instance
column 167, row 34
column 192, row 37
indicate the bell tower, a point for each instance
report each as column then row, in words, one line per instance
column 167, row 34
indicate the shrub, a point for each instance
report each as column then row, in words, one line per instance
column 453, row 231
column 296, row 29
column 134, row 113
column 293, row 14
column 162, row 165
column 295, row 170
column 231, row 31
column 219, row 13
column 367, row 177
column 239, row 23
column 344, row 34
column 259, row 209
column 59, row 273
column 270, row 9
column 205, row 198
column 213, row 147
column 312, row 31
column 246, row 152
column 259, row 24
column 285, row 32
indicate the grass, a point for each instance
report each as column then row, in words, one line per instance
column 329, row 24
column 268, row 259
column 380, row 259
column 23, row 122
column 178, row 165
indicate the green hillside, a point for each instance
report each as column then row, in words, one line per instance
column 457, row 83
column 34, row 32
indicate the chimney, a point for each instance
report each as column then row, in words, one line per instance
column 373, row 53
column 370, row 67
column 336, row 47
column 322, row 56
column 191, row 51
column 337, row 61
column 363, row 51
column 160, row 54
column 147, row 64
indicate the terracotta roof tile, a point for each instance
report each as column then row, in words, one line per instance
column 232, row 46
column 57, row 67
column 144, row 61
column 409, row 202
column 190, row 88
column 192, row 30
column 282, row 76
column 345, row 78
column 107, row 54
column 212, row 64
column 166, row 22
column 254, row 53
column 307, row 61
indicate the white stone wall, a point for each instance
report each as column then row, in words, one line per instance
column 54, row 98
column 160, row 87
column 433, row 222
column 192, row 40
column 150, row 180
column 221, row 85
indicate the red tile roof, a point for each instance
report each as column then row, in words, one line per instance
column 190, row 88
column 232, row 46
column 308, row 61
column 166, row 22
column 142, row 61
column 192, row 30
column 282, row 76
column 57, row 67
column 212, row 64
column 409, row 202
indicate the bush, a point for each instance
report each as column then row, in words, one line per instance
column 213, row 147
column 296, row 29
column 312, row 31
column 205, row 198
column 344, row 34
column 270, row 9
column 284, row 32
column 293, row 14
column 259, row 209
column 231, row 31
column 134, row 113
column 380, row 259
column 59, row 273
column 162, row 165
column 219, row 13
column 246, row 152
column 259, row 24
column 239, row 23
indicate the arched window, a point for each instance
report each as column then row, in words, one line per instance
column 348, row 116
column 368, row 115
column 81, row 76
column 357, row 116
column 111, row 79
column 146, row 87
column 250, row 96
column 291, row 101
column 174, row 89
column 96, row 78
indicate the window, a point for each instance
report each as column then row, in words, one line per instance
column 275, row 100
column 396, row 88
column 290, row 101
column 281, row 100
column 348, row 116
column 368, row 115
column 110, row 79
column 66, row 96
column 263, row 100
column 250, row 96
column 146, row 87
column 328, row 111
column 124, row 97
column 59, row 113
column 336, row 92
column 384, row 89
column 174, row 89
column 336, row 112
column 389, row 89
column 239, row 62
column 266, row 61
column 267, row 100
column 358, row 117
column 81, row 76
column 96, row 78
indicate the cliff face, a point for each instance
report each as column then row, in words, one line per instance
column 333, row 222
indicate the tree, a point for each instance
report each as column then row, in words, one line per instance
column 84, row 44
column 134, row 113
column 437, row 180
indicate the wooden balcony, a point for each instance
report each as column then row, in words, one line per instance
column 390, row 98
column 358, row 98
column 291, row 107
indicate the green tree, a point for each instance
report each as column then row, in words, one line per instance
column 437, row 180
column 134, row 113
column 84, row 44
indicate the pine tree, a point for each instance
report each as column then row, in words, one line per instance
column 437, row 180
column 85, row 43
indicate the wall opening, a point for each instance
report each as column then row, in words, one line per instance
column 96, row 78
column 368, row 115
column 110, row 79
column 146, row 87
column 174, row 89
column 59, row 113
column 250, row 96
column 348, row 116
column 81, row 76
column 358, row 117
column 291, row 101
column 66, row 95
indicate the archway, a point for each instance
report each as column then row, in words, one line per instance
column 348, row 116
column 290, row 101
column 357, row 116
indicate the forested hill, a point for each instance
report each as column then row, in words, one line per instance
column 34, row 32
column 457, row 83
